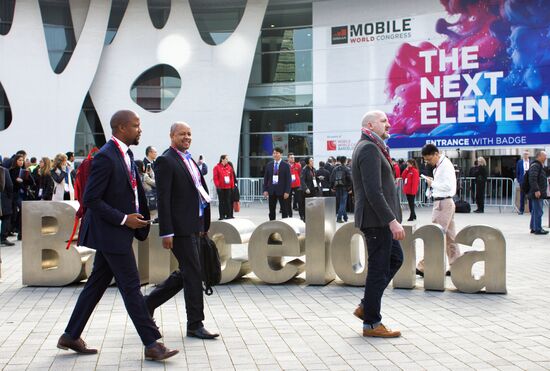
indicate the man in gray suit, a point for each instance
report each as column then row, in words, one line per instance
column 378, row 215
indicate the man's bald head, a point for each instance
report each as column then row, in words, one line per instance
column 377, row 121
column 176, row 125
column 180, row 135
column 371, row 116
column 121, row 118
column 125, row 125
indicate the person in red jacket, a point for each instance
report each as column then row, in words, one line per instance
column 296, row 194
column 396, row 169
column 411, row 181
column 224, row 180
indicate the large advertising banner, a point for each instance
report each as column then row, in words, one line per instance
column 454, row 73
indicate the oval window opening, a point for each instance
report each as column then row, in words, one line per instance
column 159, row 11
column 155, row 89
column 7, row 8
column 217, row 20
column 5, row 110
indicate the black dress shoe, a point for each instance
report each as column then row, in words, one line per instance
column 201, row 333
column 532, row 231
column 78, row 345
column 542, row 231
column 410, row 219
column 478, row 211
column 7, row 243
column 419, row 272
column 448, row 273
column 159, row 352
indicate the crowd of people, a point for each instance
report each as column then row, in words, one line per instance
column 120, row 193
column 28, row 180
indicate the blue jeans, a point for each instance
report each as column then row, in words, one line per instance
column 342, row 198
column 536, row 214
column 385, row 259
column 522, row 202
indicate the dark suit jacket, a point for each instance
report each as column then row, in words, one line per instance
column 537, row 180
column 285, row 180
column 6, row 196
column 108, row 197
column 376, row 199
column 178, row 197
column 520, row 172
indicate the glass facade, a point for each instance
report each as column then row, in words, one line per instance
column 215, row 19
column 5, row 111
column 59, row 32
column 89, row 132
column 278, row 108
column 156, row 88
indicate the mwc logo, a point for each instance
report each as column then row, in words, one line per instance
column 339, row 35
column 331, row 145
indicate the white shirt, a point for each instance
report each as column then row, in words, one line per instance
column 525, row 166
column 444, row 183
column 125, row 148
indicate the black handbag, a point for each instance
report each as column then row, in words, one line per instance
column 210, row 264
column 236, row 195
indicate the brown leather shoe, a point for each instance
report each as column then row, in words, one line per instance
column 381, row 331
column 78, row 345
column 359, row 312
column 159, row 352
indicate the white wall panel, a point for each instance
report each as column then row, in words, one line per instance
column 214, row 79
column 45, row 105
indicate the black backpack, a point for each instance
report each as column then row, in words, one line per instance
column 339, row 176
column 210, row 264
column 525, row 186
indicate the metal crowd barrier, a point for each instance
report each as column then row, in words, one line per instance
column 499, row 192
column 250, row 190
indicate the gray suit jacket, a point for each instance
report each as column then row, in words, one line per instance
column 376, row 199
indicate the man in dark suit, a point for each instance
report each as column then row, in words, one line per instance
column 116, row 212
column 277, row 183
column 184, row 215
column 521, row 168
column 6, row 208
column 378, row 215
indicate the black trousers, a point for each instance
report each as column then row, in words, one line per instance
column 188, row 278
column 480, row 196
column 124, row 269
column 6, row 227
column 410, row 200
column 385, row 259
column 273, row 205
column 225, row 203
column 295, row 198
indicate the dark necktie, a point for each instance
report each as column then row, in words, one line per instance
column 132, row 164
column 276, row 168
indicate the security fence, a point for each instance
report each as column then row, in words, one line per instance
column 499, row 192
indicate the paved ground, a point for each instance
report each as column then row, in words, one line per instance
column 294, row 326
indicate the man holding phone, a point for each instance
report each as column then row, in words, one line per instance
column 442, row 187
column 116, row 213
